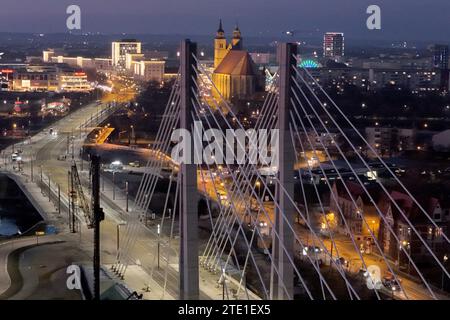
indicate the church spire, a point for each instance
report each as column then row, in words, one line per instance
column 236, row 32
column 236, row 42
column 220, row 33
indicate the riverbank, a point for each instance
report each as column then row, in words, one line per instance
column 17, row 213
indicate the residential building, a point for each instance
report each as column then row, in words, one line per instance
column 388, row 140
column 353, row 203
column 396, row 233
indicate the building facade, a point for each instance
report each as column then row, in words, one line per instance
column 388, row 141
column 333, row 45
column 149, row 70
column 49, row 78
column 235, row 73
column 120, row 49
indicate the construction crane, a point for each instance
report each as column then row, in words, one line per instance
column 82, row 201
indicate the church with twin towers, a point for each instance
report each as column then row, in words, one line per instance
column 235, row 74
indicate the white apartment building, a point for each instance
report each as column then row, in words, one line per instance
column 119, row 50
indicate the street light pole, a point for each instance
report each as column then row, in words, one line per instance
column 72, row 137
column 59, row 199
column 158, row 230
column 118, row 238
column 41, row 177
column 31, row 168
column 49, row 189
column 126, row 193
column 445, row 258
column 223, row 283
column 114, row 185
column 69, row 194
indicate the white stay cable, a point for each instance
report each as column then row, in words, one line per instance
column 373, row 202
column 385, row 191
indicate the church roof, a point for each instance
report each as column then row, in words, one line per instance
column 237, row 62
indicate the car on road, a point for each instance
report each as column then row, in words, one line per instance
column 134, row 164
column 314, row 253
column 391, row 283
column 14, row 156
column 116, row 166
column 342, row 261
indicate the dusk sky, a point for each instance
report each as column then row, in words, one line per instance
column 401, row 19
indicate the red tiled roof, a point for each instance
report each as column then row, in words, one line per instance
column 236, row 62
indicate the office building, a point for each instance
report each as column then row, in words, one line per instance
column 440, row 56
column 333, row 45
column 120, row 50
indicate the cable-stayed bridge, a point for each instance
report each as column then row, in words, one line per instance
column 263, row 230
column 321, row 216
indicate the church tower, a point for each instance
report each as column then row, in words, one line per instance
column 236, row 42
column 220, row 46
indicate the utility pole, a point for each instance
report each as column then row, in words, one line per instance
column 189, row 277
column 282, row 284
column 98, row 217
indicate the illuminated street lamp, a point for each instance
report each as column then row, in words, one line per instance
column 121, row 223
column 158, row 231
column 444, row 259
column 223, row 283
column 258, row 185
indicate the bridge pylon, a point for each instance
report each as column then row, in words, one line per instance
column 282, row 282
column 189, row 272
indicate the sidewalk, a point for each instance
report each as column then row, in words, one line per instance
column 6, row 248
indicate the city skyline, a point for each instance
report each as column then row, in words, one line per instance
column 404, row 20
column 224, row 151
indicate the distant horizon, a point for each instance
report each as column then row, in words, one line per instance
column 409, row 20
column 316, row 38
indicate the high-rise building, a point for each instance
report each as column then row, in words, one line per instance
column 121, row 48
column 333, row 44
column 440, row 61
column 440, row 56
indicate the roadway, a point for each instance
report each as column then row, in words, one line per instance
column 343, row 245
column 46, row 148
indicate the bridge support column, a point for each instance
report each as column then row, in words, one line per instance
column 189, row 272
column 282, row 284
